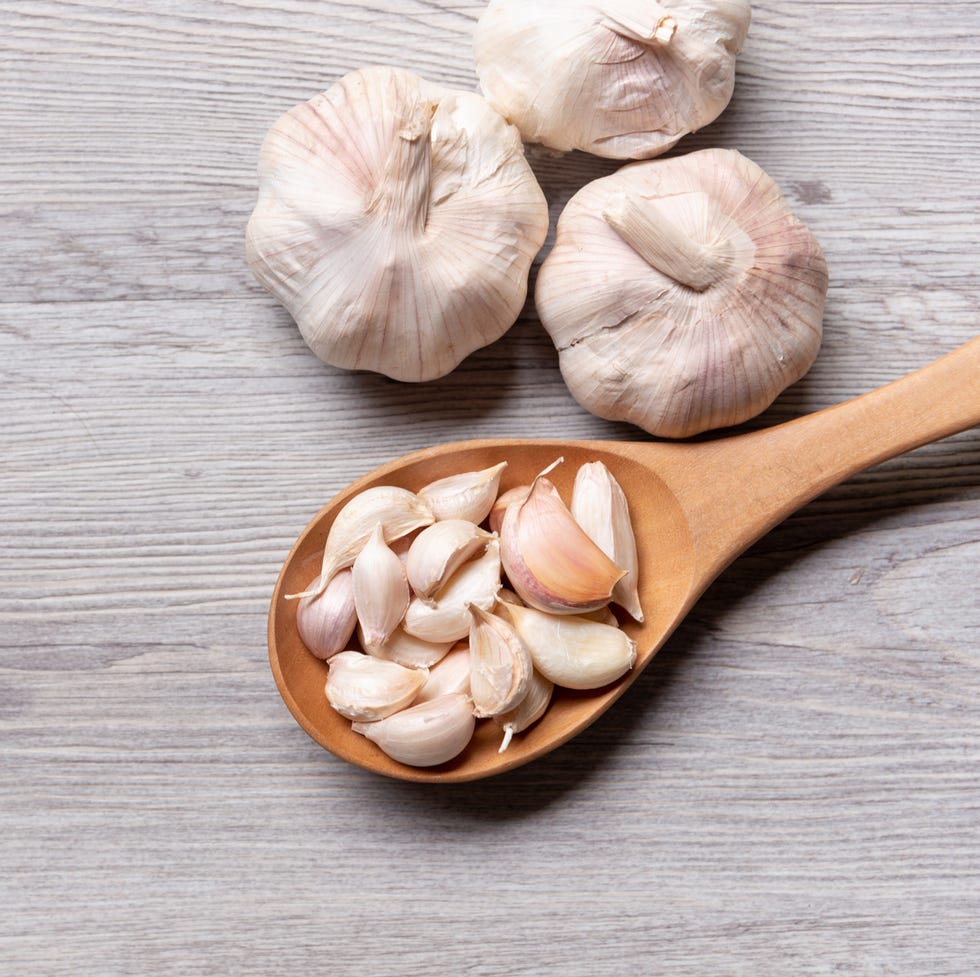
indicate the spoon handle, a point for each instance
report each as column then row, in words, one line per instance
column 779, row 469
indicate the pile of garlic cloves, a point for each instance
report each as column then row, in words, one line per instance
column 460, row 603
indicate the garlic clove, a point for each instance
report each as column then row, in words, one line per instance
column 326, row 623
column 548, row 558
column 466, row 496
column 623, row 79
column 447, row 617
column 528, row 711
column 407, row 650
column 381, row 593
column 397, row 222
column 361, row 687
column 424, row 735
column 507, row 595
column 500, row 666
column 572, row 651
column 599, row 506
column 517, row 494
column 451, row 674
column 399, row 512
column 438, row 551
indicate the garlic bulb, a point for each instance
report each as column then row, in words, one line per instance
column 397, row 222
column 625, row 79
column 682, row 294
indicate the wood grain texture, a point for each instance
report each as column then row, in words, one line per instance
column 791, row 788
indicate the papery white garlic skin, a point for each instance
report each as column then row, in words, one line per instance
column 528, row 711
column 381, row 592
column 548, row 558
column 447, row 618
column 424, row 735
column 572, row 651
column 397, row 222
column 361, row 687
column 405, row 649
column 450, row 675
column 326, row 623
column 682, row 294
column 439, row 550
column 500, row 666
column 624, row 79
column 468, row 495
column 399, row 511
column 599, row 506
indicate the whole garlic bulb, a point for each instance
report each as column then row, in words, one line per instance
column 682, row 294
column 625, row 79
column 397, row 222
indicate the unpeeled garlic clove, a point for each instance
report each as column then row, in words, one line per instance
column 549, row 560
column 500, row 666
column 506, row 499
column 572, row 651
column 361, row 687
column 399, row 512
column 450, row 675
column 407, row 650
column 599, row 506
column 326, row 623
column 424, row 735
column 438, row 551
column 528, row 711
column 447, row 618
column 381, row 593
column 466, row 496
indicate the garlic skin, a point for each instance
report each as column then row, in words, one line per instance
column 361, row 687
column 468, row 495
column 439, row 551
column 399, row 511
column 528, row 711
column 624, row 79
column 682, row 294
column 548, row 558
column 500, row 665
column 572, row 651
column 599, row 506
column 450, row 675
column 326, row 623
column 424, row 735
column 397, row 222
column 381, row 592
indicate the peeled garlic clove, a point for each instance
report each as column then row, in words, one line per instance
column 466, row 496
column 617, row 78
column 682, row 294
column 548, row 558
column 361, row 687
column 447, row 618
column 407, row 650
column 439, row 551
column 500, row 666
column 326, row 623
column 381, row 593
column 399, row 512
column 572, row 651
column 599, row 506
column 450, row 675
column 397, row 222
column 517, row 494
column 528, row 711
column 424, row 735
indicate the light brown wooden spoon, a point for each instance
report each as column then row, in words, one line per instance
column 695, row 508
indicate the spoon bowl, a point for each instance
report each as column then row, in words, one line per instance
column 695, row 507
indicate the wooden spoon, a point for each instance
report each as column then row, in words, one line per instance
column 695, row 508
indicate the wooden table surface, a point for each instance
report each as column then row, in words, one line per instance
column 790, row 789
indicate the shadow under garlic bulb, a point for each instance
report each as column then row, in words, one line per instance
column 624, row 79
column 397, row 222
column 682, row 294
